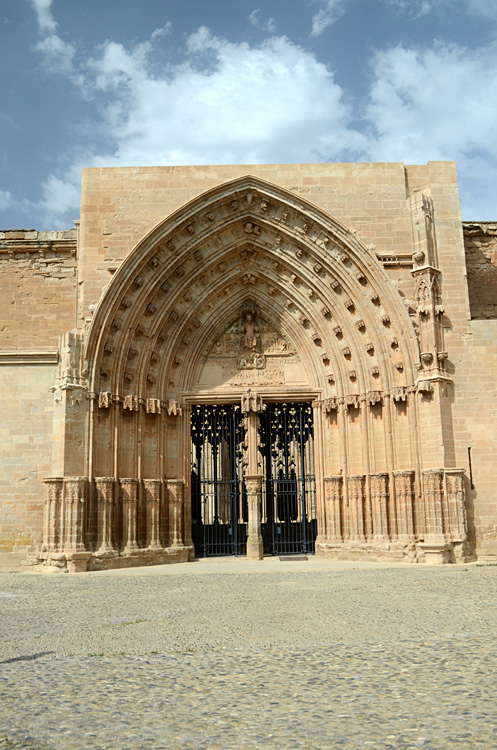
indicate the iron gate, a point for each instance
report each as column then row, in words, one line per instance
column 289, row 492
column 219, row 503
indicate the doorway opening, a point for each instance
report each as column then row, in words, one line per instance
column 289, row 524
column 286, row 461
column 219, row 503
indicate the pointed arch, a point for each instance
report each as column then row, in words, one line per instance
column 181, row 282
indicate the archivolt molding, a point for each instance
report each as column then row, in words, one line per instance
column 248, row 239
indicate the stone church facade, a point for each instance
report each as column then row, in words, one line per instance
column 254, row 360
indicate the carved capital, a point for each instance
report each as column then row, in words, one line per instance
column 355, row 485
column 53, row 488
column 353, row 400
column 152, row 487
column 253, row 484
column 252, row 402
column 129, row 488
column 74, row 489
column 379, row 486
column 105, row 489
column 175, row 489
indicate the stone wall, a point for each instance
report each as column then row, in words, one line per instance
column 38, row 299
column 480, row 242
column 26, row 453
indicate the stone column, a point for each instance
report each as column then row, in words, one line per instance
column 105, row 513
column 433, row 497
column 404, row 483
column 72, row 528
column 129, row 489
column 185, row 427
column 333, row 508
column 175, row 496
column 456, row 510
column 255, row 548
column 356, row 507
column 379, row 500
column 252, row 406
column 74, row 507
column 152, row 505
column 435, row 542
column 52, row 514
column 319, row 461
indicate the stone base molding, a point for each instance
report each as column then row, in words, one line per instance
column 79, row 536
column 379, row 516
column 117, row 522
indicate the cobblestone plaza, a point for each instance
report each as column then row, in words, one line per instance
column 232, row 654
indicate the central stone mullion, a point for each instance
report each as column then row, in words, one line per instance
column 252, row 406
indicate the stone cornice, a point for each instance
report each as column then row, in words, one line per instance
column 29, row 358
column 21, row 242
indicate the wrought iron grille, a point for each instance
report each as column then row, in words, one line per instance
column 289, row 492
column 219, row 503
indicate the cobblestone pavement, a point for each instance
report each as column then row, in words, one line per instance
column 342, row 658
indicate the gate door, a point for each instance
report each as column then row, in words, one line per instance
column 219, row 503
column 289, row 492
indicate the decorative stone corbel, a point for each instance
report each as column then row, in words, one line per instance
column 374, row 397
column 153, row 406
column 353, row 400
column 425, row 387
column 131, row 402
column 104, row 399
column 330, row 404
column 174, row 408
column 399, row 393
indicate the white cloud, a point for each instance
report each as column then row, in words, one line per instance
column 486, row 9
column 327, row 15
column 269, row 26
column 439, row 104
column 44, row 16
column 433, row 103
column 58, row 55
column 6, row 200
column 275, row 103
column 61, row 198
column 227, row 103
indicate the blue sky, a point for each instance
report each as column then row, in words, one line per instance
column 122, row 82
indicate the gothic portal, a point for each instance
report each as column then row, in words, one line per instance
column 265, row 361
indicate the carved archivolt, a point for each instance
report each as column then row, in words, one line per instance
column 180, row 287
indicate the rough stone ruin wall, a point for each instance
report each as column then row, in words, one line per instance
column 480, row 242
